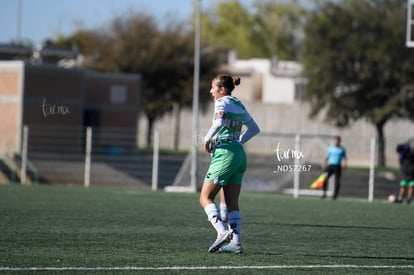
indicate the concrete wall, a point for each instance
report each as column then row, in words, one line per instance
column 280, row 90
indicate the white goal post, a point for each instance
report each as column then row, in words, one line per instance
column 410, row 24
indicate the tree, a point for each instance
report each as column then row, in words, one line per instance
column 278, row 28
column 134, row 43
column 358, row 65
column 228, row 25
column 266, row 29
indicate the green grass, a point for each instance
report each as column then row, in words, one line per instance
column 395, row 170
column 57, row 226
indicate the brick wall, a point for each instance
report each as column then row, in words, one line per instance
column 11, row 79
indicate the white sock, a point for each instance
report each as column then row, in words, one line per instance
column 223, row 211
column 214, row 217
column 235, row 225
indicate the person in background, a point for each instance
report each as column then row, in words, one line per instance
column 335, row 164
column 406, row 158
column 224, row 141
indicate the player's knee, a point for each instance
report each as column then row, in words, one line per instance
column 204, row 200
column 201, row 201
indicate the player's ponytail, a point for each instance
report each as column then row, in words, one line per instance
column 236, row 80
column 227, row 82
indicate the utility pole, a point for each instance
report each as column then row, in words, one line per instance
column 194, row 149
column 19, row 22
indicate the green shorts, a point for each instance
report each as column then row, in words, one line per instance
column 228, row 165
column 405, row 183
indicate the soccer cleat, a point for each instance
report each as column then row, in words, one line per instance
column 231, row 248
column 398, row 200
column 220, row 241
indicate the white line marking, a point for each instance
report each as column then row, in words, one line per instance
column 204, row 267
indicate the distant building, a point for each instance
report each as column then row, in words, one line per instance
column 267, row 81
column 62, row 57
column 50, row 98
column 15, row 52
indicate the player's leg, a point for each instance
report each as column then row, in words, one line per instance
column 325, row 183
column 403, row 185
column 337, row 178
column 410, row 195
column 232, row 193
column 223, row 206
column 209, row 191
column 410, row 191
column 217, row 176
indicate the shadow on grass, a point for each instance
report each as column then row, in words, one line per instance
column 334, row 226
column 361, row 257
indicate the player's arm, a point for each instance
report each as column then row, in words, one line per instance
column 215, row 127
column 252, row 130
column 218, row 121
column 325, row 161
column 344, row 161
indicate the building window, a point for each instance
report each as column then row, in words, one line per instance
column 118, row 94
column 298, row 91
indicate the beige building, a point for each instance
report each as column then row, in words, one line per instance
column 267, row 81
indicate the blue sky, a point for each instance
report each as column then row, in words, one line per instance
column 42, row 19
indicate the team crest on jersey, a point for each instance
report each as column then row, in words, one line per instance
column 220, row 115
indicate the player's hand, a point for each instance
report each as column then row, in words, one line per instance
column 207, row 147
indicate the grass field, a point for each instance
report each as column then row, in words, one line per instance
column 58, row 229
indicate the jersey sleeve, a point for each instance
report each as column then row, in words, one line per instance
column 252, row 128
column 218, row 119
column 215, row 127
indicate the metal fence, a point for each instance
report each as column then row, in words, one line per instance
column 103, row 156
column 87, row 156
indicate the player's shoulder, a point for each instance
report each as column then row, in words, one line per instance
column 236, row 102
column 220, row 102
column 332, row 148
column 229, row 102
column 224, row 99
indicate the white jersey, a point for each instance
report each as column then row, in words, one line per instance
column 229, row 117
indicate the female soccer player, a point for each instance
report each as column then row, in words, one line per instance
column 224, row 141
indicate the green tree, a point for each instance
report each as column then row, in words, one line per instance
column 358, row 65
column 229, row 25
column 278, row 28
column 265, row 29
